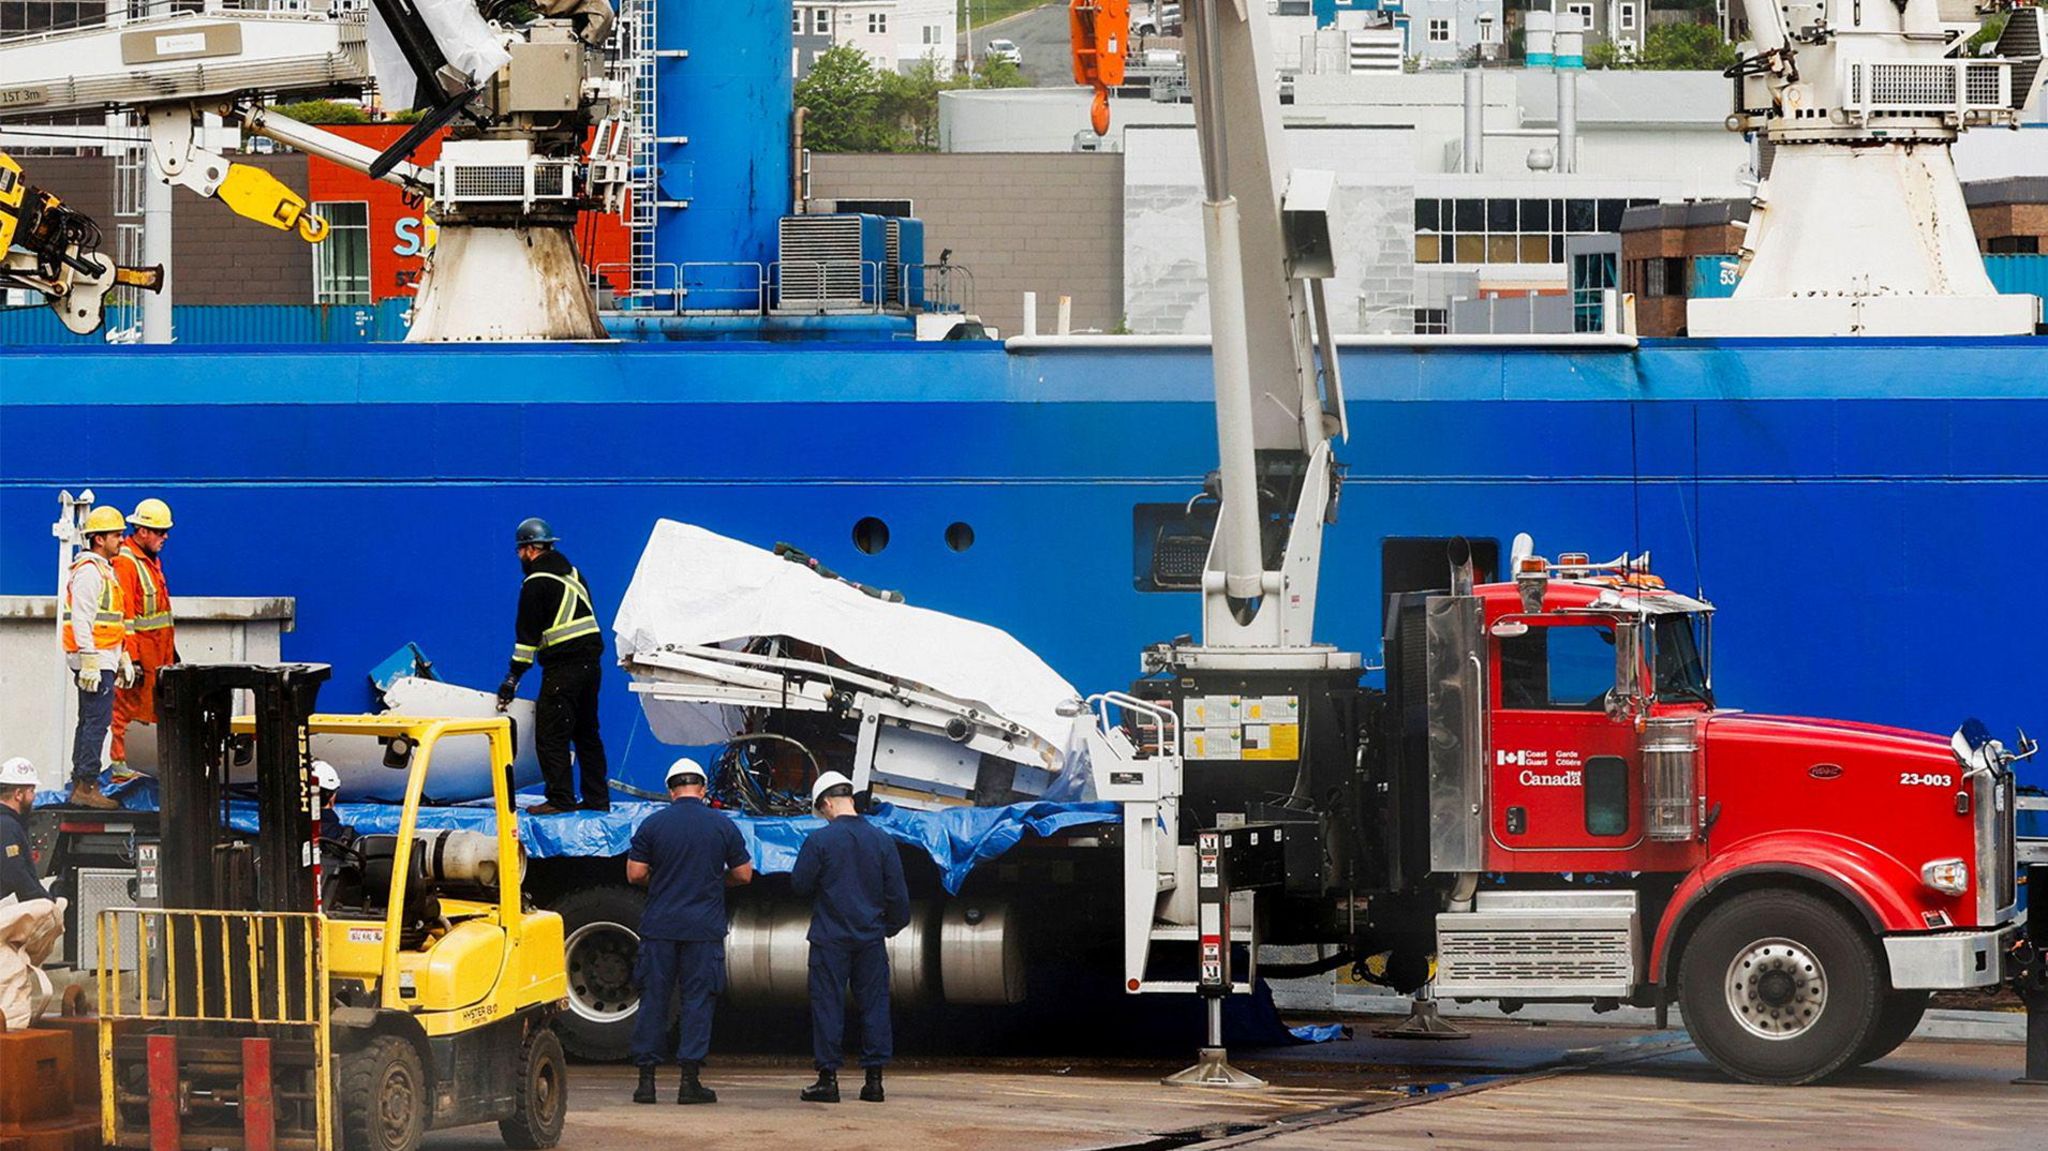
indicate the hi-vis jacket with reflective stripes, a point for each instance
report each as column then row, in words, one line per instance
column 142, row 579
column 556, row 616
column 109, row 627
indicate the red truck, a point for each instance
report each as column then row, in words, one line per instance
column 1548, row 800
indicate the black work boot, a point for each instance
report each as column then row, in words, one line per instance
column 645, row 1092
column 871, row 1091
column 825, row 1090
column 692, row 1091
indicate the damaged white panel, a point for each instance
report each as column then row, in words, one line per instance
column 697, row 588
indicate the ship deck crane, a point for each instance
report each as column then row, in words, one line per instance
column 521, row 101
column 1860, row 227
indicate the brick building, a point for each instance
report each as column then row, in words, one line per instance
column 2009, row 215
column 1658, row 244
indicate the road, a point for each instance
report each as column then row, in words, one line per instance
column 1512, row 1085
column 1041, row 35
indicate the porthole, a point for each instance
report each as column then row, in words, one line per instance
column 870, row 535
column 960, row 536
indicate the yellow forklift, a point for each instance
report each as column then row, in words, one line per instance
column 299, row 993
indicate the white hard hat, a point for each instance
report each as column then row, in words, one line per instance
column 827, row 782
column 17, row 772
column 325, row 775
column 685, row 769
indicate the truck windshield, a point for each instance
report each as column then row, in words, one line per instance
column 1681, row 672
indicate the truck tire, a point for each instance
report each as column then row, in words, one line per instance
column 381, row 1096
column 601, row 942
column 543, row 1099
column 1780, row 988
column 1896, row 1020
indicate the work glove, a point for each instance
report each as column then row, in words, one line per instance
column 506, row 691
column 127, row 673
column 88, row 671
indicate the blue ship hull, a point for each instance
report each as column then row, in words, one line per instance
column 1864, row 513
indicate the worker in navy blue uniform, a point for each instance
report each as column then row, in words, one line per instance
column 855, row 880
column 685, row 855
column 17, row 859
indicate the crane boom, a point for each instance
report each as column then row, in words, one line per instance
column 1279, row 399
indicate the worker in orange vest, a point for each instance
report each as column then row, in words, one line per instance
column 152, row 639
column 95, row 632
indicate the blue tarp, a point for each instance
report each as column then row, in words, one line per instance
column 957, row 839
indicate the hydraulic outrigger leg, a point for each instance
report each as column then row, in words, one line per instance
column 2032, row 979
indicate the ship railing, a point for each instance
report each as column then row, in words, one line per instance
column 944, row 287
column 727, row 287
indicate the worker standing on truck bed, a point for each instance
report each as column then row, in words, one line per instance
column 146, row 602
column 95, row 637
column 17, row 860
column 557, row 627
column 686, row 855
column 855, row 878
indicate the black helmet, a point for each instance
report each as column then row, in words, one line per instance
column 533, row 530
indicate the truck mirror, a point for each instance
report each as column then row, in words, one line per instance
column 1628, row 669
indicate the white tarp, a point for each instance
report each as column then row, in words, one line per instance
column 468, row 42
column 693, row 586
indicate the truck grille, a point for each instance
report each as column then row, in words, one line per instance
column 1997, row 879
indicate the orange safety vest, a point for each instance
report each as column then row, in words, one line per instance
column 148, row 598
column 109, row 626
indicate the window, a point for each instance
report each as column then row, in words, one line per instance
column 1584, row 12
column 878, row 22
column 931, row 33
column 2013, row 245
column 1664, row 276
column 821, row 21
column 1432, row 321
column 1678, row 661
column 341, row 261
column 1592, row 275
column 1439, row 31
column 1567, row 667
column 1607, row 806
column 1628, row 17
column 796, row 21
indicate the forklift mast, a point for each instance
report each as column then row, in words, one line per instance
column 198, row 753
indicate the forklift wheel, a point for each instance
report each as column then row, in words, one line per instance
column 381, row 1098
column 543, row 1093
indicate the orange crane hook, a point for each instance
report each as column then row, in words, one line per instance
column 1101, row 32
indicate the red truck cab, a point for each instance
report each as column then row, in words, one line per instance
column 1799, row 886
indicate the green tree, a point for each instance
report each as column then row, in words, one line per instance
column 1686, row 47
column 1603, row 54
column 325, row 112
column 1669, row 48
column 1993, row 28
column 843, row 96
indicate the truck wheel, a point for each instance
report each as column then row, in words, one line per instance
column 600, row 948
column 1780, row 988
column 1896, row 1020
column 381, row 1097
column 543, row 1098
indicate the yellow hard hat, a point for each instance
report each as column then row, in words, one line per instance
column 151, row 513
column 104, row 519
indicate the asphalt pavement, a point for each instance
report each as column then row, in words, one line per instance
column 1041, row 35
